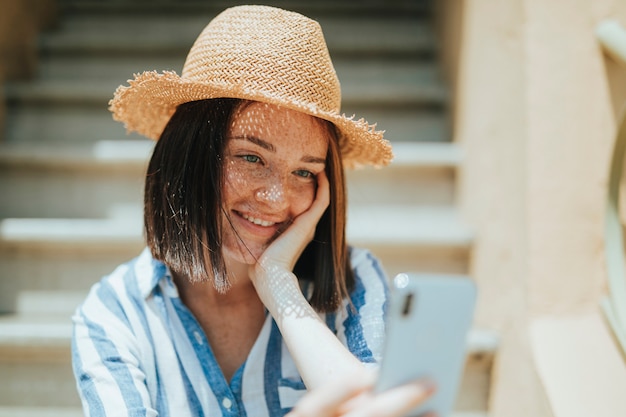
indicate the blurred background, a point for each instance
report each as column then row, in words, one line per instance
column 503, row 117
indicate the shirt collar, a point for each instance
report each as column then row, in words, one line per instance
column 151, row 273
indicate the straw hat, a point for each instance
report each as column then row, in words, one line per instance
column 256, row 53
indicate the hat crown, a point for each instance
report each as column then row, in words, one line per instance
column 257, row 53
column 269, row 52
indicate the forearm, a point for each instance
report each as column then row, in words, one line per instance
column 318, row 354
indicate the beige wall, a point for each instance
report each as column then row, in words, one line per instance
column 535, row 113
column 571, row 130
column 20, row 23
column 491, row 125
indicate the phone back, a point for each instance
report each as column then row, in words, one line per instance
column 427, row 325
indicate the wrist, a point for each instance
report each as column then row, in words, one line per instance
column 280, row 292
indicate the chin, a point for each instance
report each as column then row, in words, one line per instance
column 242, row 255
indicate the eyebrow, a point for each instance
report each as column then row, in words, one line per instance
column 268, row 146
column 314, row 160
column 260, row 142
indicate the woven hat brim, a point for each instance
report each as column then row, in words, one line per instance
column 146, row 105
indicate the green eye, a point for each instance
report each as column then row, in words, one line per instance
column 251, row 158
column 304, row 173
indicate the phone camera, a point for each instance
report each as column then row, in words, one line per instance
column 408, row 304
column 401, row 280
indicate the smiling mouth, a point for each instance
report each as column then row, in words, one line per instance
column 258, row 222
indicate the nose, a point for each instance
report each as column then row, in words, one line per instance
column 272, row 193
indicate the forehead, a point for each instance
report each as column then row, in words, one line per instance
column 280, row 125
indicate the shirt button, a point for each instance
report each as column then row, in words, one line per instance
column 198, row 337
column 227, row 403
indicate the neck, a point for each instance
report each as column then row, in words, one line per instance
column 241, row 288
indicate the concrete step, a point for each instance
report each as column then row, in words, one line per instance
column 368, row 85
column 131, row 33
column 51, row 301
column 35, row 365
column 33, row 271
column 41, row 411
column 420, row 174
column 83, row 181
column 101, row 180
column 408, row 238
column 77, row 412
column 76, row 124
column 35, row 362
column 72, row 254
column 378, row 75
column 173, row 7
column 405, row 100
column 368, row 225
column 62, row 125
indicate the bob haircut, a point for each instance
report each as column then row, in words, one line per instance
column 183, row 205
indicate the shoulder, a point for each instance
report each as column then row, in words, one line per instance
column 371, row 288
column 360, row 322
column 114, row 314
column 368, row 271
column 132, row 281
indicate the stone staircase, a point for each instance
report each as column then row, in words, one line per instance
column 71, row 179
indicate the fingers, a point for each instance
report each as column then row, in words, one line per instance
column 328, row 399
column 395, row 402
column 283, row 253
column 319, row 205
column 287, row 248
column 322, row 197
column 353, row 398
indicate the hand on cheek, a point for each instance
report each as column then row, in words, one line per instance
column 288, row 247
column 273, row 270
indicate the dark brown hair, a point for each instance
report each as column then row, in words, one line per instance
column 183, row 205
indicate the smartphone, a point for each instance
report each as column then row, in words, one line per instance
column 428, row 319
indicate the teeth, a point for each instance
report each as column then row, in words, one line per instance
column 258, row 222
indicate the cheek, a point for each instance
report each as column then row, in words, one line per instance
column 302, row 198
column 232, row 189
column 234, row 174
column 236, row 182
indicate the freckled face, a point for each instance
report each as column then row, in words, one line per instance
column 272, row 158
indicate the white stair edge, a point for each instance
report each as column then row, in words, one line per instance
column 198, row 6
column 42, row 330
column 77, row 412
column 40, row 411
column 62, row 303
column 386, row 225
column 54, row 302
column 482, row 340
column 35, row 330
column 110, row 152
column 337, row 30
column 126, row 151
column 444, row 154
column 407, row 226
column 79, row 231
column 64, row 91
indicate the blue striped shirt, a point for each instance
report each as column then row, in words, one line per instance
column 138, row 351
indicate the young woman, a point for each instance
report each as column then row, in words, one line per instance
column 247, row 294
